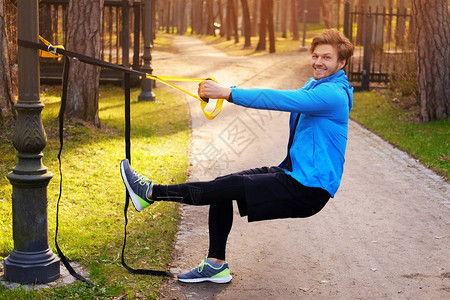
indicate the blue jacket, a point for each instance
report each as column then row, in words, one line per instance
column 320, row 139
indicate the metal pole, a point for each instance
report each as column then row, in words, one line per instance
column 31, row 260
column 365, row 82
column 305, row 11
column 137, row 34
column 146, row 84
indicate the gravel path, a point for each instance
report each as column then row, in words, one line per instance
column 386, row 234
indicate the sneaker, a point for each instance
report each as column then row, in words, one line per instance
column 138, row 186
column 207, row 271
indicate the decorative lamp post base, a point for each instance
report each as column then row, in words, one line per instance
column 146, row 96
column 32, row 267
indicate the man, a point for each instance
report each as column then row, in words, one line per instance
column 300, row 186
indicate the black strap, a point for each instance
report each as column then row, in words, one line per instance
column 291, row 141
column 127, row 72
column 61, row 142
column 126, row 81
column 83, row 58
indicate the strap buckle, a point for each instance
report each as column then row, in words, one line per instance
column 51, row 49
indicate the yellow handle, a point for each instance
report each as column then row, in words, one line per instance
column 164, row 79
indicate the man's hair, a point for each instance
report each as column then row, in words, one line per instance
column 333, row 37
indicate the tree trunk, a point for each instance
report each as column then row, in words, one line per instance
column 433, row 57
column 294, row 20
column 83, row 36
column 168, row 16
column 182, row 17
column 326, row 6
column 255, row 17
column 200, row 28
column 193, row 17
column 262, row 26
column 270, row 26
column 247, row 26
column 229, row 23
column 221, row 18
column 283, row 21
column 210, row 25
column 234, row 14
column 6, row 97
column 362, row 7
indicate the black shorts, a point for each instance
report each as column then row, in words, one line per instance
column 272, row 194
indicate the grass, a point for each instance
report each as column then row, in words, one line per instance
column 427, row 142
column 91, row 209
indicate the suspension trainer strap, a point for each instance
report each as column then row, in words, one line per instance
column 127, row 72
column 126, row 80
column 57, row 50
column 61, row 143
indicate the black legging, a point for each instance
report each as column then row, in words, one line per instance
column 218, row 194
column 271, row 194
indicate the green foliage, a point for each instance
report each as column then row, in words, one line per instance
column 91, row 208
column 403, row 77
column 428, row 142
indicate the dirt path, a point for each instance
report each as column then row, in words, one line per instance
column 386, row 234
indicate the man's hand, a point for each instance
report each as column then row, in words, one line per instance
column 210, row 89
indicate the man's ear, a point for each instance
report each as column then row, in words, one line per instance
column 342, row 64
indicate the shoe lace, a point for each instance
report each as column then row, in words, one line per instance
column 200, row 266
column 142, row 180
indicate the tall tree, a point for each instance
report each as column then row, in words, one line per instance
column 232, row 21
column 234, row 16
column 83, row 36
column 199, row 17
column 362, row 7
column 433, row 57
column 266, row 24
column 294, row 20
column 284, row 10
column 193, row 18
column 262, row 26
column 210, row 30
column 327, row 12
column 182, row 26
column 168, row 7
column 221, row 18
column 247, row 26
column 6, row 96
column 270, row 26
column 255, row 17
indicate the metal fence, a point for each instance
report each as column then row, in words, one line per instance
column 384, row 43
column 120, row 39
